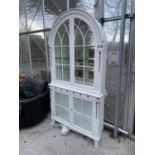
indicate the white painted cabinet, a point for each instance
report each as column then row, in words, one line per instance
column 78, row 67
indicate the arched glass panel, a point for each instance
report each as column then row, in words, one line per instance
column 57, row 40
column 84, row 53
column 61, row 30
column 65, row 39
column 78, row 36
column 65, row 36
column 81, row 25
column 62, row 54
column 65, row 53
column 58, row 55
column 89, row 38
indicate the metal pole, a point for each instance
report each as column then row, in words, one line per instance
column 112, row 127
column 46, row 52
column 29, row 48
column 121, row 47
column 103, row 20
column 35, row 31
column 109, row 19
column 103, row 8
column 130, row 103
column 68, row 5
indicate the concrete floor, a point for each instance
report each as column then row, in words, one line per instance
column 44, row 140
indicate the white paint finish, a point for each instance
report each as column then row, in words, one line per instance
column 95, row 93
column 73, row 88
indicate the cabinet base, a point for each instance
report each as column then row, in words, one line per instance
column 96, row 143
column 65, row 130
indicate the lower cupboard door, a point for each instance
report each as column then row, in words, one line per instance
column 82, row 113
column 62, row 113
column 62, row 106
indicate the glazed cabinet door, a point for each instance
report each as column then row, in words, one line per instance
column 62, row 110
column 83, row 114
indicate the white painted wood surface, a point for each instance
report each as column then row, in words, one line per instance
column 94, row 94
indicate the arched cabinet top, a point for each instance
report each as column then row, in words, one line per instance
column 82, row 15
column 78, row 51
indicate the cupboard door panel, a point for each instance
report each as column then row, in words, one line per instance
column 82, row 106
column 82, row 113
column 82, row 121
column 62, row 112
column 62, row 106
